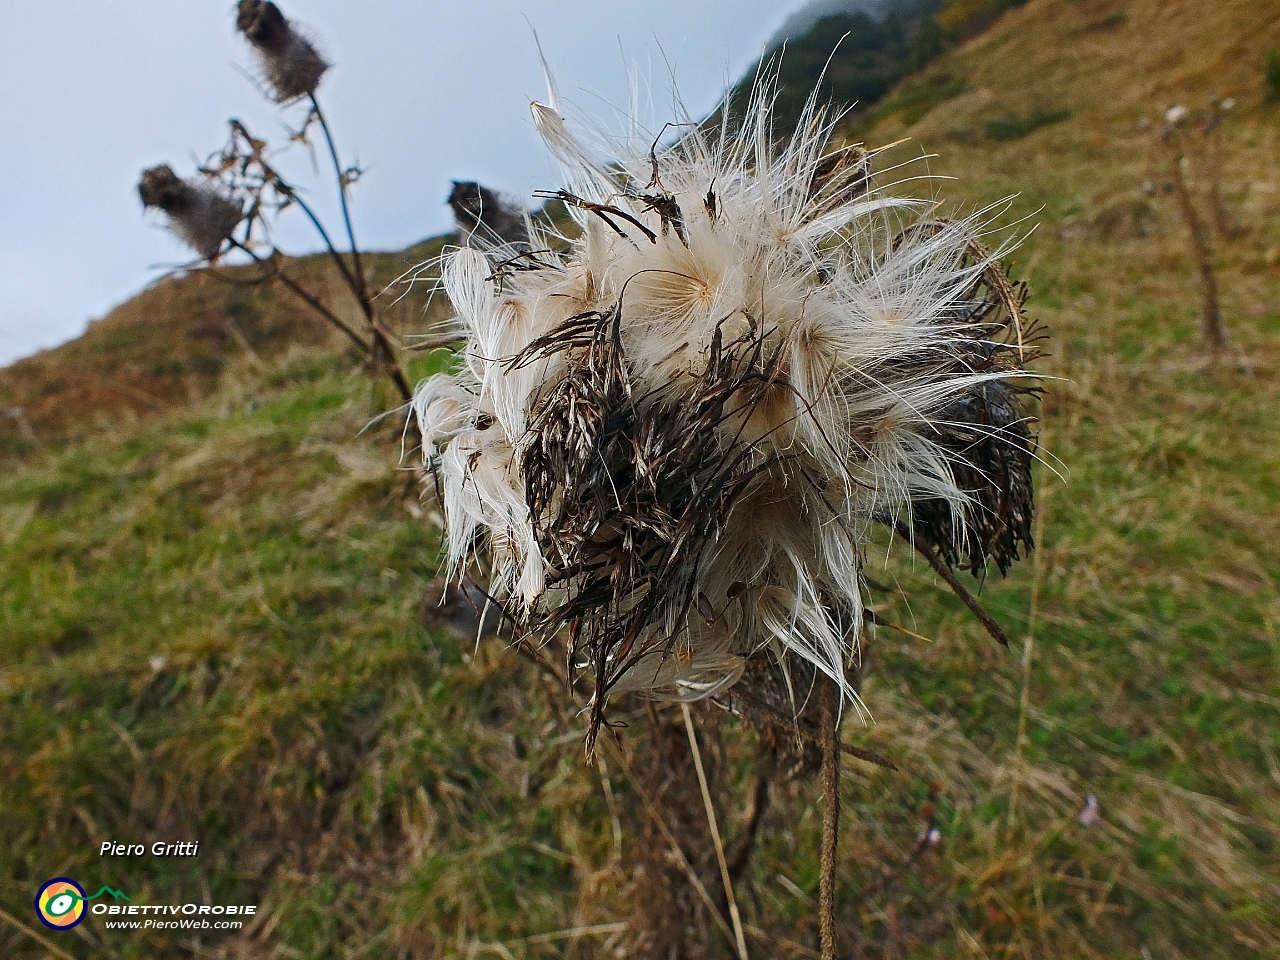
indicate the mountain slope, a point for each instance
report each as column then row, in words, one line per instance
column 209, row 614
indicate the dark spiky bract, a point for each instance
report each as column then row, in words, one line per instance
column 989, row 432
column 291, row 65
column 199, row 213
column 628, row 497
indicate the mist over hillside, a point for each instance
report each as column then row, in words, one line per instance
column 804, row 19
column 855, row 51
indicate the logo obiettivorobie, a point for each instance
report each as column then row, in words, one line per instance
column 60, row 902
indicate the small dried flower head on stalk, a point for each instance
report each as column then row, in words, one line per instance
column 671, row 440
column 199, row 213
column 290, row 63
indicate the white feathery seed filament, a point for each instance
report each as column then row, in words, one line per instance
column 671, row 437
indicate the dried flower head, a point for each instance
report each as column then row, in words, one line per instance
column 199, row 213
column 1176, row 115
column 290, row 63
column 671, row 441
column 484, row 218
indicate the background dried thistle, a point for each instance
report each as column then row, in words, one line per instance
column 290, row 64
column 200, row 214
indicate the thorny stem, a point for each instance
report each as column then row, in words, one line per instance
column 726, row 878
column 830, row 819
column 362, row 293
column 322, row 310
column 311, row 301
column 347, row 275
column 383, row 351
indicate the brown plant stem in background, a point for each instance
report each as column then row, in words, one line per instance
column 1212, row 130
column 1210, row 315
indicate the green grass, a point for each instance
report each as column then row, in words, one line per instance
column 209, row 630
column 208, row 625
column 1015, row 128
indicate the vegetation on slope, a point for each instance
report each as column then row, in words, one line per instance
column 209, row 616
column 860, row 57
column 172, row 343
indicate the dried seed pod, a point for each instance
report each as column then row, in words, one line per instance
column 671, row 441
column 290, row 63
column 200, row 215
column 482, row 216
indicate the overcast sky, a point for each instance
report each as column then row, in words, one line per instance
column 421, row 94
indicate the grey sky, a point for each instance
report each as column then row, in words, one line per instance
column 422, row 93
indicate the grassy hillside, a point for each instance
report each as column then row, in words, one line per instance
column 210, row 623
column 172, row 343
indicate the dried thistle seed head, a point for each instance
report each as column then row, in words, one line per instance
column 200, row 215
column 160, row 187
column 262, row 23
column 290, row 63
column 1176, row 115
column 671, row 440
column 484, row 219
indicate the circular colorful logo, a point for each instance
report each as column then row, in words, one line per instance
column 60, row 903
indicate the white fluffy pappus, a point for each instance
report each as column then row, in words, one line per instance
column 675, row 423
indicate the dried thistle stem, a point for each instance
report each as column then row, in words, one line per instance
column 1210, row 315
column 830, row 818
column 989, row 623
column 362, row 293
column 276, row 273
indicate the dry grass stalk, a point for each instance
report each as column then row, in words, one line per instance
column 17, row 924
column 830, row 819
column 1028, row 652
column 725, row 875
